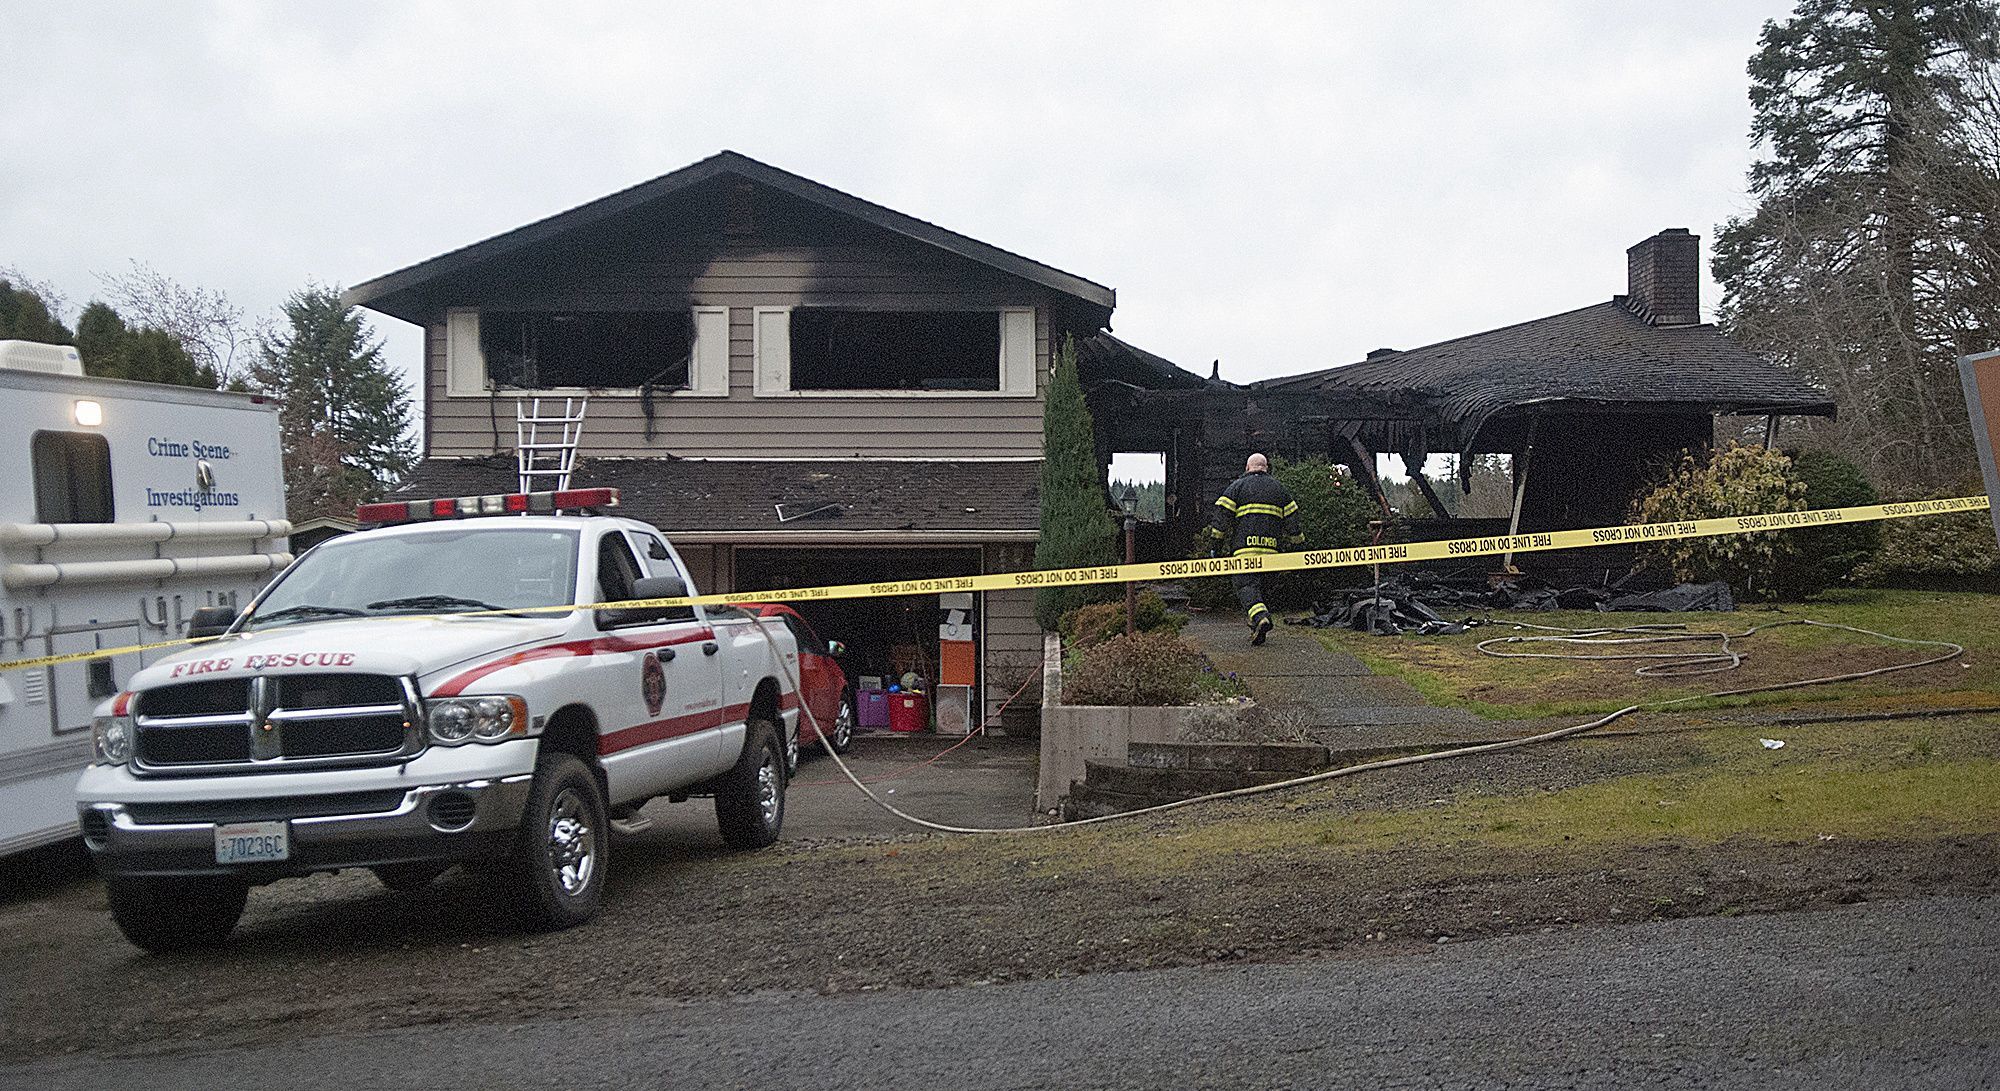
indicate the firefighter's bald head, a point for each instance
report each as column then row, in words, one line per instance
column 1256, row 464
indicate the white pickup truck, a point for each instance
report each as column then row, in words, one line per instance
column 370, row 709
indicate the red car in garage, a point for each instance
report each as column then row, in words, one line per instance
column 822, row 684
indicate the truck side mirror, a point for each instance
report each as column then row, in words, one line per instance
column 658, row 587
column 211, row 621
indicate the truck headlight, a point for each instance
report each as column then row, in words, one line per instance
column 454, row 721
column 111, row 739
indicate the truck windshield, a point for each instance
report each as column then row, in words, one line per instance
column 438, row 572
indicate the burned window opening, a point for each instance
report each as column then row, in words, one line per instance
column 1145, row 473
column 834, row 349
column 618, row 350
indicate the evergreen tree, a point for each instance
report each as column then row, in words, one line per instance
column 113, row 350
column 346, row 418
column 26, row 316
column 100, row 334
column 1076, row 525
column 110, row 349
column 1869, row 262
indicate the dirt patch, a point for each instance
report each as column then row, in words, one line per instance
column 1686, row 817
column 338, row 953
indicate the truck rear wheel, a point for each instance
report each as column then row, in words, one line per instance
column 555, row 874
column 750, row 799
column 176, row 914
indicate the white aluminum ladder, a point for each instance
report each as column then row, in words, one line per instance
column 545, row 442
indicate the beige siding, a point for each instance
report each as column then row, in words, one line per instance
column 1013, row 642
column 742, row 425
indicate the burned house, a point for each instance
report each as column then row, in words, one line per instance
column 796, row 385
column 1589, row 403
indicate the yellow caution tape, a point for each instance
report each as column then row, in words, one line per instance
column 1451, row 549
column 99, row 653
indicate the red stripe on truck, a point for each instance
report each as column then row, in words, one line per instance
column 674, row 727
column 595, row 646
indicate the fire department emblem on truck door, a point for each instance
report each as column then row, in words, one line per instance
column 653, row 683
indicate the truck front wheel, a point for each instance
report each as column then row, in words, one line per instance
column 750, row 799
column 555, row 875
column 176, row 914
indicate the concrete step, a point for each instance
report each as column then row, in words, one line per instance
column 1260, row 757
column 1167, row 785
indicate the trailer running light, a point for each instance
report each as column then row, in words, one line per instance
column 516, row 503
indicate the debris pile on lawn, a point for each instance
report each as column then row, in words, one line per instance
column 1424, row 607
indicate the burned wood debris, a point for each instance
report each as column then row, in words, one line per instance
column 1425, row 606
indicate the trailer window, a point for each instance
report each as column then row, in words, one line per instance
column 72, row 477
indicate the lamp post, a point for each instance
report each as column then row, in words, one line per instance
column 1129, row 502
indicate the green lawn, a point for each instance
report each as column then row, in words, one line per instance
column 1449, row 670
column 1875, row 781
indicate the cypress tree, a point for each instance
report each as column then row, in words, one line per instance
column 1076, row 525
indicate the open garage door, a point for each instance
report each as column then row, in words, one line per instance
column 885, row 637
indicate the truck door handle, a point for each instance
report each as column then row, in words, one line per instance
column 710, row 648
column 666, row 655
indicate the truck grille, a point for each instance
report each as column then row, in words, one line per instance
column 264, row 810
column 169, row 744
column 302, row 720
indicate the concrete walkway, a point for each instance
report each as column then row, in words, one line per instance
column 989, row 781
column 1330, row 695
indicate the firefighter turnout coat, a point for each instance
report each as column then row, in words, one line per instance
column 1256, row 515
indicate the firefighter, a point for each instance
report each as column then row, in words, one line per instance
column 1255, row 515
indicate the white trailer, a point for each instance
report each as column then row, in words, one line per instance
column 134, row 505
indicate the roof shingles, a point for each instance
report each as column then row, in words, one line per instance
column 720, row 495
column 1603, row 354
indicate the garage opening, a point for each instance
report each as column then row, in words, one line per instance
column 886, row 638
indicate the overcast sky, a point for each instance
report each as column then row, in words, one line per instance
column 1281, row 187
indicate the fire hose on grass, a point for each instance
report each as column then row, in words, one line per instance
column 1703, row 662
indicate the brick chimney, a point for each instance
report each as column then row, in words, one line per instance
column 1663, row 278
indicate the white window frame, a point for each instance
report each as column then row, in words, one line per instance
column 1020, row 368
column 708, row 364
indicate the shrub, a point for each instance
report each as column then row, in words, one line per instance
column 1955, row 551
column 1145, row 669
column 1076, row 525
column 1098, row 622
column 1334, row 512
column 1738, row 480
column 1209, row 592
column 1826, row 557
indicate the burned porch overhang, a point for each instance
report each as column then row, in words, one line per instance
column 1129, row 417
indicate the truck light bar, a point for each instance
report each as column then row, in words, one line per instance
column 516, row 503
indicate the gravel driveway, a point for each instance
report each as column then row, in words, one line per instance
column 1899, row 994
